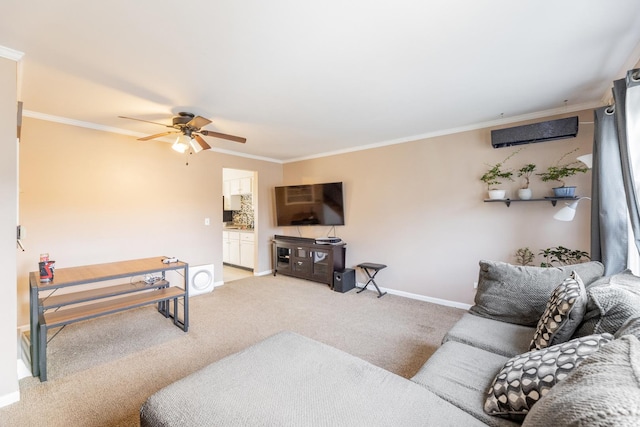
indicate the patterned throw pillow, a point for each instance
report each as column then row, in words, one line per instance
column 563, row 314
column 526, row 378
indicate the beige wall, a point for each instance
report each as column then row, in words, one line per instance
column 418, row 207
column 8, row 220
column 89, row 196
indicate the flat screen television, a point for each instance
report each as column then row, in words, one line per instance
column 311, row 204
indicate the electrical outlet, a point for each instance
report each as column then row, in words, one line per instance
column 207, row 221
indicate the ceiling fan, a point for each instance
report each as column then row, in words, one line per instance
column 190, row 128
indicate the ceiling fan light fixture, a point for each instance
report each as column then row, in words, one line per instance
column 190, row 127
column 195, row 146
column 181, row 144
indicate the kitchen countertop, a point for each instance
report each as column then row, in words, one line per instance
column 234, row 228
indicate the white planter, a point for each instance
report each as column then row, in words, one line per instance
column 497, row 194
column 524, row 194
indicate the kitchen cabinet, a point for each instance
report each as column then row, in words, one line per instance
column 226, row 246
column 238, row 248
column 238, row 186
column 246, row 249
column 226, row 192
column 245, row 186
column 232, row 203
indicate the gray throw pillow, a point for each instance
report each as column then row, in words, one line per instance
column 610, row 303
column 563, row 314
column 518, row 294
column 603, row 391
column 526, row 378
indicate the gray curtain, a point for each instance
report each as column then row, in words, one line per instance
column 614, row 190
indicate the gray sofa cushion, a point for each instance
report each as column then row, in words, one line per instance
column 461, row 374
column 519, row 294
column 526, row 378
column 604, row 391
column 630, row 327
column 563, row 314
column 611, row 302
column 506, row 339
column 290, row 380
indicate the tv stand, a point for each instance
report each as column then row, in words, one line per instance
column 302, row 257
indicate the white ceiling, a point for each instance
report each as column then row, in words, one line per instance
column 304, row 78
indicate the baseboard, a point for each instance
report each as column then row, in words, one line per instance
column 263, row 273
column 10, row 398
column 216, row 284
column 447, row 303
column 14, row 397
column 24, row 358
column 23, row 370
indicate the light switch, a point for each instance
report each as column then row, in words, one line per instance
column 207, row 221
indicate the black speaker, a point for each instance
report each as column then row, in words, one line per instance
column 344, row 280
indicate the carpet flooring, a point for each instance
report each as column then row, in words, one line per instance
column 101, row 371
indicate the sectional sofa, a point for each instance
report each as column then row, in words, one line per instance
column 540, row 347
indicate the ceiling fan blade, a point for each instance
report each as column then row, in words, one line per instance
column 201, row 142
column 158, row 135
column 224, row 136
column 146, row 121
column 198, row 122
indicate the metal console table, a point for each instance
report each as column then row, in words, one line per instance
column 50, row 310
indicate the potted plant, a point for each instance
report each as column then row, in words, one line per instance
column 560, row 255
column 524, row 193
column 560, row 171
column 524, row 256
column 494, row 176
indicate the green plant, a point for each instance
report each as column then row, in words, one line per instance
column 526, row 171
column 496, row 173
column 524, row 256
column 560, row 255
column 559, row 171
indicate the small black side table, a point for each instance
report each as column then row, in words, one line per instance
column 367, row 266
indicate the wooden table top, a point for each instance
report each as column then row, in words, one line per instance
column 97, row 272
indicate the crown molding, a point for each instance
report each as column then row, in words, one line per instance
column 94, row 126
column 246, row 156
column 78, row 123
column 8, row 53
column 475, row 126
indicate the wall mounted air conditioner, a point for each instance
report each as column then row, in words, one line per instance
column 536, row 132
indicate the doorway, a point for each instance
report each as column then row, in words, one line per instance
column 230, row 273
column 240, row 206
